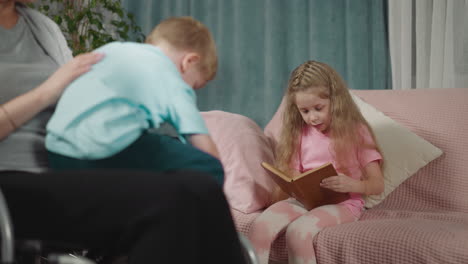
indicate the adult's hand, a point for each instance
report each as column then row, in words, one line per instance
column 21, row 109
column 53, row 87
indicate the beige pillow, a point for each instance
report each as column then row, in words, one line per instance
column 403, row 151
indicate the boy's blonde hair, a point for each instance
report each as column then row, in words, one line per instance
column 346, row 119
column 188, row 34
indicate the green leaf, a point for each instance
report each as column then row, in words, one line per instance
column 123, row 35
column 79, row 16
column 119, row 12
column 58, row 19
column 82, row 41
column 70, row 17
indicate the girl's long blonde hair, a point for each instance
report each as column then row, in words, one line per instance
column 346, row 119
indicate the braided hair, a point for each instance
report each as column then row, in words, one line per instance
column 346, row 119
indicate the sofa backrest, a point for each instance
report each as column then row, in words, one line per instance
column 440, row 117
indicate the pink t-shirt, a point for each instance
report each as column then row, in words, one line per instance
column 316, row 150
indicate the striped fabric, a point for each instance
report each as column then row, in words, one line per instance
column 425, row 220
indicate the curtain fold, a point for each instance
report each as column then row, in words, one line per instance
column 428, row 43
column 261, row 41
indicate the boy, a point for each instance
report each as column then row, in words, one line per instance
column 102, row 119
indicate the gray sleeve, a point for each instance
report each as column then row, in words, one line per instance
column 48, row 34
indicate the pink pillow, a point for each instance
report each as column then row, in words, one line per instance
column 242, row 147
column 273, row 128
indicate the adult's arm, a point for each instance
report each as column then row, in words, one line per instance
column 21, row 109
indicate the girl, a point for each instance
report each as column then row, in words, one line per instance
column 321, row 123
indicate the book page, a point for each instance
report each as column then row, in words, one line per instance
column 327, row 167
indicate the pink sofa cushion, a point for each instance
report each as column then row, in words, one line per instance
column 242, row 147
column 391, row 236
column 439, row 116
column 431, row 205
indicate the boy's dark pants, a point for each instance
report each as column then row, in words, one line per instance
column 151, row 152
column 158, row 201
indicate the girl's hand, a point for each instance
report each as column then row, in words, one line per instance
column 340, row 183
column 53, row 87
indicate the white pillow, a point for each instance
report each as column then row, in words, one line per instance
column 403, row 151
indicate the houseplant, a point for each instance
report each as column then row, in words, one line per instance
column 89, row 24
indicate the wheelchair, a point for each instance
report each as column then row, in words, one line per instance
column 65, row 254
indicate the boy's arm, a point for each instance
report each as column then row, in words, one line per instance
column 204, row 143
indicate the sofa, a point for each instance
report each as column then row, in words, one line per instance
column 424, row 219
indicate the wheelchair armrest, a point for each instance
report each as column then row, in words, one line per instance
column 6, row 230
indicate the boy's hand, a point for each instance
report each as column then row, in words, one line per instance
column 204, row 143
column 341, row 183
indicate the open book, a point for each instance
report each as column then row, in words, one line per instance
column 305, row 187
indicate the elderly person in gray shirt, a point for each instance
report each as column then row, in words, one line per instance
column 31, row 49
column 177, row 217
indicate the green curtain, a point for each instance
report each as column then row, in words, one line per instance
column 261, row 41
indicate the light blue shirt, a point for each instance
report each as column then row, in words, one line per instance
column 134, row 88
